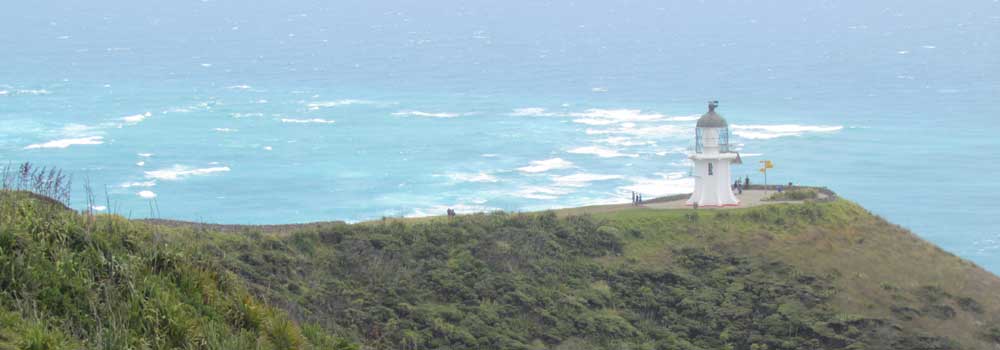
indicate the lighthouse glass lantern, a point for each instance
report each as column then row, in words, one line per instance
column 712, row 161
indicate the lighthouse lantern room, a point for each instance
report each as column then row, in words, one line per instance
column 712, row 159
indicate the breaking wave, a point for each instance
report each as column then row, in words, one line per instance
column 307, row 121
column 766, row 132
column 541, row 166
column 178, row 172
column 425, row 114
column 313, row 106
column 472, row 177
column 63, row 143
column 601, row 152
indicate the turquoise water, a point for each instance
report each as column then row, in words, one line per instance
column 304, row 111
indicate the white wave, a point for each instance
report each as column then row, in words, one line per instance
column 78, row 130
column 683, row 163
column 240, row 87
column 601, row 152
column 145, row 155
column 489, row 155
column 147, row 194
column 541, row 193
column 657, row 131
column 206, row 65
column 225, row 130
column 141, row 164
column 177, row 110
column 472, row 177
column 246, row 115
column 425, row 114
column 673, row 150
column 268, row 148
column 307, row 121
column 688, row 118
column 664, row 184
column 751, row 154
column 594, row 121
column 178, row 172
column 133, row 119
column 533, row 112
column 619, row 115
column 4, row 92
column 599, row 89
column 624, row 141
column 63, row 143
column 149, row 183
column 541, row 166
column 582, row 179
column 327, row 104
column 765, row 132
column 32, row 92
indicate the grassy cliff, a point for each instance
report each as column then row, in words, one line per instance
column 71, row 281
column 784, row 276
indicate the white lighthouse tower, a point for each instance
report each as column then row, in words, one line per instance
column 712, row 157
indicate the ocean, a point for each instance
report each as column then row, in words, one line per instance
column 232, row 112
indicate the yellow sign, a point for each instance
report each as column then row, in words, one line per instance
column 768, row 164
column 763, row 170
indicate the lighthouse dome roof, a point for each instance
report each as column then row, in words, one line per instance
column 712, row 119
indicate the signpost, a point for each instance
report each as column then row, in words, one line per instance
column 765, row 164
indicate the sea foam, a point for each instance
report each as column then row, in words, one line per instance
column 326, row 104
column 149, row 183
column 664, row 184
column 63, row 143
column 472, row 177
column 541, row 166
column 136, row 118
column 307, row 121
column 541, row 192
column 601, row 152
column 426, row 114
column 765, row 132
column 178, row 172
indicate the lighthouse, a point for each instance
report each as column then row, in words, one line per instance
column 712, row 159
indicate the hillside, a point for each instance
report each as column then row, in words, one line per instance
column 71, row 281
column 785, row 276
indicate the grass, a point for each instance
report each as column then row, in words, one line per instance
column 819, row 275
column 72, row 281
column 879, row 267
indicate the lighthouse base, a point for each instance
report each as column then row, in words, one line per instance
column 713, row 183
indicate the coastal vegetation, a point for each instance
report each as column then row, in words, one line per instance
column 815, row 275
column 794, row 194
column 73, row 281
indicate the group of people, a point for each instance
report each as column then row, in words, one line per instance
column 636, row 198
column 739, row 184
column 451, row 213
